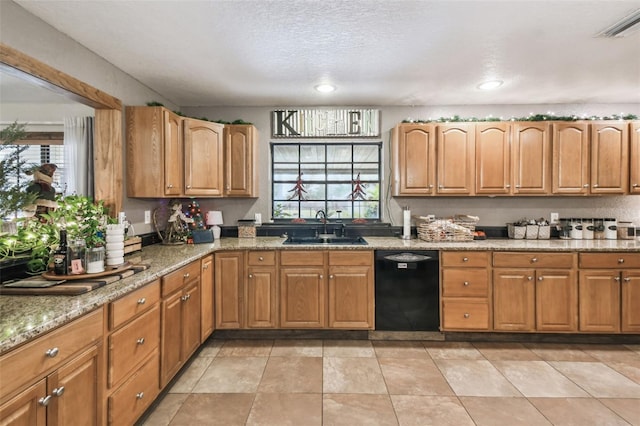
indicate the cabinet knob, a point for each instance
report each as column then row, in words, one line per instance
column 188, row 186
column 185, row 297
column 186, row 275
column 540, row 278
column 142, row 301
column 52, row 353
column 616, row 279
column 517, row 186
column 44, row 401
column 466, row 283
column 169, row 186
column 205, row 267
column 626, row 280
column 621, row 260
column 466, row 315
column 320, row 276
column 140, row 395
column 534, row 260
column 507, row 186
column 58, row 391
column 595, row 185
column 465, row 259
column 529, row 278
column 635, row 185
column 586, row 185
column 250, row 275
column 140, row 341
column 261, row 258
column 440, row 186
column 330, row 277
column 430, row 186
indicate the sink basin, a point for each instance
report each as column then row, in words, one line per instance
column 326, row 239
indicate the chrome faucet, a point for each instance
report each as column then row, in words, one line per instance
column 323, row 219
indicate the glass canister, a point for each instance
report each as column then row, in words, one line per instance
column 610, row 229
column 598, row 229
column 576, row 228
column 626, row 231
column 587, row 229
column 564, row 229
column 94, row 260
column 246, row 228
column 78, row 252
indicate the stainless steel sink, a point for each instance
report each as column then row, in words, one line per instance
column 326, row 240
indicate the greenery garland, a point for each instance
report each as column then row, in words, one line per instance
column 530, row 117
column 238, row 121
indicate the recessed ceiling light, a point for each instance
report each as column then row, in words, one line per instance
column 490, row 85
column 325, row 88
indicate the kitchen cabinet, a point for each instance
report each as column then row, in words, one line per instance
column 465, row 291
column 455, row 159
column 609, row 292
column 207, row 317
column 609, row 158
column 531, row 158
column 351, row 290
column 155, row 167
column 261, row 305
column 240, row 160
column 180, row 319
column 555, row 297
column 203, row 158
column 303, row 284
column 57, row 378
column 493, row 158
column 634, row 160
column 413, row 162
column 570, row 173
column 229, row 285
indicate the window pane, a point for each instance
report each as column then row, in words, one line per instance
column 312, row 154
column 285, row 172
column 315, row 192
column 338, row 191
column 308, row 209
column 339, row 172
column 364, row 153
column 367, row 171
column 284, row 210
column 343, row 206
column 366, row 210
column 282, row 191
column 313, row 172
column 285, row 154
column 339, row 153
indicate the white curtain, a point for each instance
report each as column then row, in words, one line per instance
column 78, row 154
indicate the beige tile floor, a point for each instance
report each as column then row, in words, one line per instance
column 361, row 382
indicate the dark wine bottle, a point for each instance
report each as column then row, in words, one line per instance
column 61, row 256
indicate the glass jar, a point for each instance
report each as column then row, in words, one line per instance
column 94, row 260
column 598, row 229
column 587, row 229
column 77, row 258
column 564, row 229
column 576, row 229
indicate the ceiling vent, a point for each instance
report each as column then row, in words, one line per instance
column 623, row 27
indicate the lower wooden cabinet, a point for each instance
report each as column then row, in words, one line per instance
column 351, row 290
column 261, row 300
column 229, row 284
column 630, row 302
column 303, row 288
column 135, row 395
column 556, row 300
column 207, row 316
column 514, row 300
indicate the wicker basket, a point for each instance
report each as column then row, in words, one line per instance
column 458, row 228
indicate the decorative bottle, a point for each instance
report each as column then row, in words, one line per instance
column 61, row 256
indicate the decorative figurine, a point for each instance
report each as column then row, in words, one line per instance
column 177, row 229
column 43, row 186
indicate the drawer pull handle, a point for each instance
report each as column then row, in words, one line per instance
column 142, row 301
column 466, row 315
column 186, row 297
column 186, row 275
column 58, row 391
column 466, row 283
column 140, row 395
column 52, row 353
column 261, row 258
column 44, row 401
column 465, row 259
column 140, row 341
column 534, row 260
column 621, row 260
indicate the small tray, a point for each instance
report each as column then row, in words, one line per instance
column 109, row 270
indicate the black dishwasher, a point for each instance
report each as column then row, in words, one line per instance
column 407, row 289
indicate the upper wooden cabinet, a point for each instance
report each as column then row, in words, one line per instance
column 413, row 160
column 531, row 158
column 154, row 152
column 203, row 159
column 455, row 153
column 570, row 174
column 240, row 158
column 634, row 160
column 609, row 158
column 493, row 158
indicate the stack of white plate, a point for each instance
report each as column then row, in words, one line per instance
column 115, row 244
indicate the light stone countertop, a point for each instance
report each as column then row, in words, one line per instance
column 25, row 317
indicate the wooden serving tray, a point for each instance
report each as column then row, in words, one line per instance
column 109, row 270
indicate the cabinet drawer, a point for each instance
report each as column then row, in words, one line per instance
column 534, row 260
column 301, row 258
column 465, row 315
column 465, row 283
column 465, row 258
column 176, row 279
column 133, row 343
column 45, row 353
column 259, row 258
column 610, row 260
column 134, row 396
column 351, row 258
column 134, row 303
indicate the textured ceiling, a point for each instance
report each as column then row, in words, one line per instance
column 377, row 52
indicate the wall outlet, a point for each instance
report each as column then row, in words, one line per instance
column 147, row 216
column 554, row 218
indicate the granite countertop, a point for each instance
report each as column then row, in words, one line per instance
column 25, row 317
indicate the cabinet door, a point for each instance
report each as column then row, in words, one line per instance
column 531, row 153
column 351, row 299
column 493, row 158
column 240, row 161
column 261, row 298
column 514, row 299
column 630, row 301
column 203, row 160
column 413, row 162
column 609, row 158
column 634, row 161
column 76, row 391
column 171, row 337
column 599, row 301
column 302, row 297
column 570, row 173
column 173, row 172
column 229, row 272
column 556, row 300
column 455, row 153
column 25, row 408
column 190, row 320
column 207, row 319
